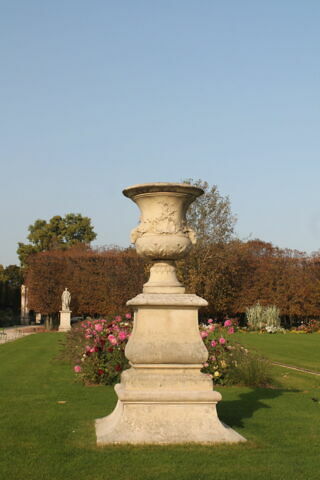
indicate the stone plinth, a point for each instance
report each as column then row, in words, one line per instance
column 164, row 398
column 65, row 320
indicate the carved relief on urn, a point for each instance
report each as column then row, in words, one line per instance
column 163, row 233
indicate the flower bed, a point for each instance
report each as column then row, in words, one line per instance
column 311, row 326
column 96, row 348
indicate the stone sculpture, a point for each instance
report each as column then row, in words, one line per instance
column 65, row 312
column 24, row 314
column 164, row 398
column 66, row 299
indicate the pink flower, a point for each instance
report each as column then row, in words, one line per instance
column 92, row 350
column 227, row 323
column 222, row 341
column 112, row 339
column 88, row 336
column 210, row 320
column 128, row 315
column 206, row 364
column 122, row 335
column 204, row 334
column 213, row 343
column 98, row 327
column 211, row 328
column 231, row 330
column 118, row 318
column 77, row 368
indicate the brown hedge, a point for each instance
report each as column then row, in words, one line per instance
column 100, row 282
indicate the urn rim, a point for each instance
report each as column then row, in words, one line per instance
column 162, row 187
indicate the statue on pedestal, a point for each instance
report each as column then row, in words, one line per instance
column 65, row 312
column 66, row 299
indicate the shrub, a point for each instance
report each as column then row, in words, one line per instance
column 249, row 369
column 229, row 362
column 96, row 348
column 264, row 318
column 254, row 316
column 217, row 340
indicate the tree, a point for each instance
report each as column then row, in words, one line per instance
column 210, row 215
column 10, row 283
column 12, row 275
column 58, row 233
column 211, row 218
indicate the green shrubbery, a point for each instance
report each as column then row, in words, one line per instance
column 249, row 369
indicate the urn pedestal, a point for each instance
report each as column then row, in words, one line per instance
column 164, row 398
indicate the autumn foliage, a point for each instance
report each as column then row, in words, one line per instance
column 235, row 275
column 100, row 282
column 231, row 276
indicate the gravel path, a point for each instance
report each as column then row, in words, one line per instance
column 304, row 370
column 13, row 333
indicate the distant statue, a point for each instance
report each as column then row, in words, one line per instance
column 66, row 299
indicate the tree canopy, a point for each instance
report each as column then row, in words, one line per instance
column 58, row 233
column 11, row 274
column 210, row 215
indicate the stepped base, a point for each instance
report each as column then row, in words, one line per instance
column 173, row 422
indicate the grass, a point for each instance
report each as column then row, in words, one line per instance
column 300, row 350
column 43, row 439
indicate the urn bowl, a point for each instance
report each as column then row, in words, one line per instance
column 163, row 233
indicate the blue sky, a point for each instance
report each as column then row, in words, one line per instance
column 96, row 96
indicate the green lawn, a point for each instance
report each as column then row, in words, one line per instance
column 300, row 350
column 43, row 439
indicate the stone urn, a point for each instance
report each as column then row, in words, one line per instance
column 163, row 234
column 164, row 398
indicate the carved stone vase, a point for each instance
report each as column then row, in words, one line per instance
column 164, row 398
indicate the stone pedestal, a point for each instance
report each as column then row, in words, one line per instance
column 65, row 320
column 164, row 398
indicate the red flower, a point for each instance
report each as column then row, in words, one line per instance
column 100, row 371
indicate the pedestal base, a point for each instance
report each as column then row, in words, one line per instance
column 65, row 321
column 164, row 405
column 164, row 423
